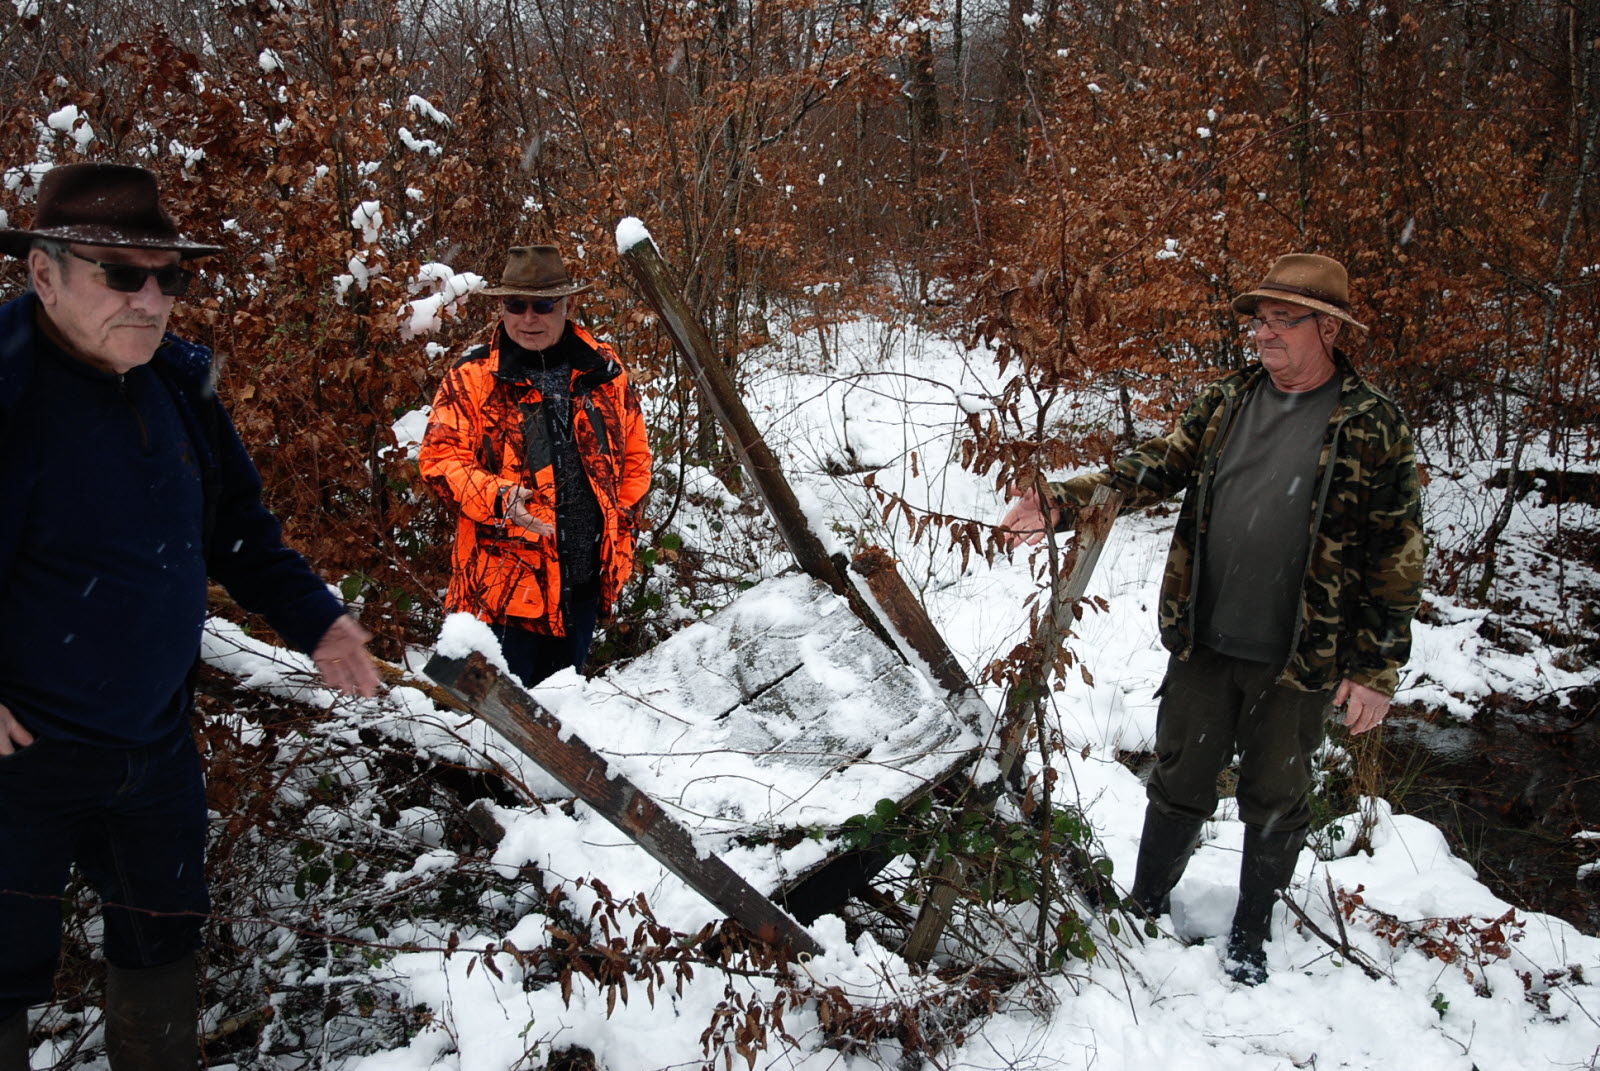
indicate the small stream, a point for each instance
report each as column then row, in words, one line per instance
column 1509, row 790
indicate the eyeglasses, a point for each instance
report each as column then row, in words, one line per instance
column 172, row 280
column 517, row 306
column 1256, row 323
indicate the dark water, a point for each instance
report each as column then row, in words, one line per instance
column 1509, row 790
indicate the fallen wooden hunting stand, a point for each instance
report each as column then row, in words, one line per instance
column 725, row 748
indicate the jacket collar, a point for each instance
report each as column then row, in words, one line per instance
column 591, row 368
column 1356, row 395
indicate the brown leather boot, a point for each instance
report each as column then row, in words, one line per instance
column 151, row 1017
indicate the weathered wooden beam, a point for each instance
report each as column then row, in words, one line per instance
column 1068, row 585
column 515, row 715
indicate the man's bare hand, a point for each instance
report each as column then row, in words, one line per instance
column 342, row 659
column 516, row 507
column 1025, row 522
column 13, row 737
column 1363, row 706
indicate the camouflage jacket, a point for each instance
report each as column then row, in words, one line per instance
column 1363, row 576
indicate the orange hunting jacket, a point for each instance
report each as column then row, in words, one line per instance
column 474, row 451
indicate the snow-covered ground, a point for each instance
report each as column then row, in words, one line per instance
column 887, row 397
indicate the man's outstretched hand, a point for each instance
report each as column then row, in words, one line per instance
column 342, row 659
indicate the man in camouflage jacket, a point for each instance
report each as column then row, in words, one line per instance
column 1294, row 572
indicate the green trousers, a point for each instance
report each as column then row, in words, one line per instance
column 1213, row 706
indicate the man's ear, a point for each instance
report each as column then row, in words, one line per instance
column 1331, row 327
column 45, row 274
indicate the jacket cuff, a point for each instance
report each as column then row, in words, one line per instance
column 1386, row 680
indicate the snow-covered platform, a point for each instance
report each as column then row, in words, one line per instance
column 733, row 748
column 781, row 711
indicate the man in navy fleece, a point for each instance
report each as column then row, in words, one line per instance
column 123, row 485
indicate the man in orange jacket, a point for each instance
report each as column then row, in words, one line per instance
column 538, row 440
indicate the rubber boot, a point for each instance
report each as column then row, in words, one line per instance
column 14, row 1042
column 1266, row 870
column 151, row 1017
column 1164, row 850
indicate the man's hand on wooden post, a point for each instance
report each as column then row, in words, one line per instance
column 1026, row 523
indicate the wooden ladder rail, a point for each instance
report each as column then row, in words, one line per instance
column 514, row 715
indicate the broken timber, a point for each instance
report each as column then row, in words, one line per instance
column 894, row 612
column 516, row 717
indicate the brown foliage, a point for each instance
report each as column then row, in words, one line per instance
column 738, row 135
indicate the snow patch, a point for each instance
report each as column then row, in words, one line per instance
column 368, row 219
column 630, row 232
column 462, row 634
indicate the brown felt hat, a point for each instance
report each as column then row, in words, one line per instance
column 1307, row 279
column 535, row 271
column 102, row 204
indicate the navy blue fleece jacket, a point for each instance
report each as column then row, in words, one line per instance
column 118, row 496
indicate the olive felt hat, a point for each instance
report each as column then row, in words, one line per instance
column 102, row 204
column 535, row 271
column 1307, row 279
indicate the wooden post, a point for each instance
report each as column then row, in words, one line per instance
column 716, row 386
column 1094, row 527
column 514, row 714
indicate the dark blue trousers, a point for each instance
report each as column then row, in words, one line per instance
column 533, row 656
column 134, row 822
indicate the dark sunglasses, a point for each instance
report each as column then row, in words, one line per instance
column 517, row 306
column 171, row 280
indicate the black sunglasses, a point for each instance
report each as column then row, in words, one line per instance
column 517, row 306
column 171, row 280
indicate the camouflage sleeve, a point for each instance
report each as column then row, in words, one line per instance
column 1156, row 469
column 1377, row 639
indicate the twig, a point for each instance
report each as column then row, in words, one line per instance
column 1338, row 916
column 1342, row 947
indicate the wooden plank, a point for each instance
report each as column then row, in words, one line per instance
column 1093, row 528
column 512, row 713
column 781, row 711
